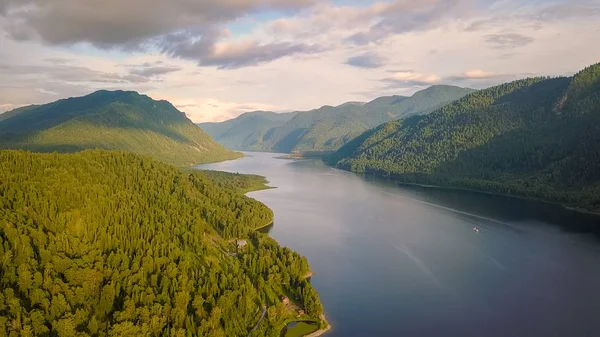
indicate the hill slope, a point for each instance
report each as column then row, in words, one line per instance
column 328, row 128
column 112, row 120
column 536, row 137
column 247, row 130
column 101, row 243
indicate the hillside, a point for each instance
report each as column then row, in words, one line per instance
column 111, row 120
column 247, row 130
column 101, row 243
column 328, row 128
column 535, row 137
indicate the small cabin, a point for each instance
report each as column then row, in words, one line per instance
column 300, row 312
column 285, row 300
column 241, row 243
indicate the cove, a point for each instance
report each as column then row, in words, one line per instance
column 394, row 260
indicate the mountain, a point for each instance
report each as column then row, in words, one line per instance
column 327, row 128
column 107, row 243
column 536, row 137
column 112, row 120
column 246, row 131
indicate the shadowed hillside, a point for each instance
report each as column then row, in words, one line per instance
column 112, row 120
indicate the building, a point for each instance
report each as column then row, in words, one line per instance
column 241, row 243
column 285, row 300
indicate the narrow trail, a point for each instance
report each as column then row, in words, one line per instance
column 259, row 321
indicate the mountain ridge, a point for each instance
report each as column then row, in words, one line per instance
column 111, row 120
column 328, row 127
column 534, row 137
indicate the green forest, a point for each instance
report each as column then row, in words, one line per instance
column 111, row 120
column 106, row 243
column 535, row 137
column 326, row 128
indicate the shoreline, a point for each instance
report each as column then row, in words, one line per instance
column 321, row 331
column 308, row 275
column 265, row 226
column 464, row 189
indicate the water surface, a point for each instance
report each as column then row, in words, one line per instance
column 405, row 261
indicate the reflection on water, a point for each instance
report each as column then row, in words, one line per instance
column 501, row 208
column 396, row 260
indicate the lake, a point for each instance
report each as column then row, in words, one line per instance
column 391, row 260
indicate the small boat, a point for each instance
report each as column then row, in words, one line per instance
column 475, row 229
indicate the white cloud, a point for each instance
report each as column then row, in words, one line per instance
column 414, row 78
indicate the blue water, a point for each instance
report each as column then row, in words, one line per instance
column 406, row 261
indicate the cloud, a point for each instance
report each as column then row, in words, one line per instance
column 58, row 60
column 536, row 16
column 402, row 16
column 111, row 23
column 28, row 91
column 201, row 46
column 573, row 9
column 212, row 110
column 152, row 70
column 67, row 73
column 194, row 27
column 411, row 78
column 366, row 60
column 508, row 41
column 475, row 74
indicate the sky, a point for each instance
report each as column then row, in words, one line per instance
column 215, row 59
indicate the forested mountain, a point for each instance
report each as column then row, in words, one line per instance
column 101, row 243
column 327, row 128
column 247, row 130
column 112, row 120
column 536, row 137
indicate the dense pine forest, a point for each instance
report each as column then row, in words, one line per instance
column 102, row 243
column 111, row 120
column 536, row 137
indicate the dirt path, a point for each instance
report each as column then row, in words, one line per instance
column 260, row 320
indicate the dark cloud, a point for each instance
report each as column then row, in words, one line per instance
column 406, row 16
column 508, row 41
column 111, row 23
column 183, row 28
column 367, row 60
column 201, row 46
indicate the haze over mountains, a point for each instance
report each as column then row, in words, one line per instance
column 111, row 120
column 536, row 137
column 326, row 128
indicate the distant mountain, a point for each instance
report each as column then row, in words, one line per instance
column 246, row 131
column 536, row 137
column 326, row 128
column 112, row 120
